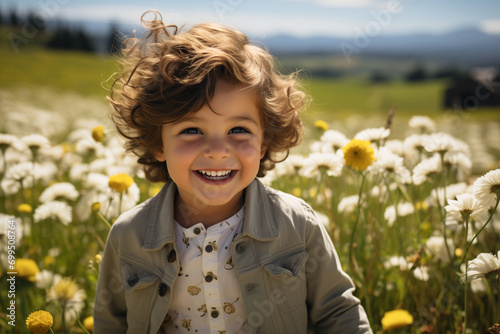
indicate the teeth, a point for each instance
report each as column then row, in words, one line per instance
column 215, row 173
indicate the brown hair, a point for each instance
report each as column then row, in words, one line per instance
column 168, row 75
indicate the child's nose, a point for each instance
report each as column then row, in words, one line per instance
column 216, row 148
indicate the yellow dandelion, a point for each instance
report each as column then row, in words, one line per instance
column 49, row 260
column 154, row 190
column 24, row 208
column 421, row 206
column 321, row 125
column 39, row 322
column 120, row 182
column 296, row 192
column 26, row 268
column 88, row 323
column 96, row 206
column 64, row 290
column 359, row 154
column 98, row 258
column 396, row 319
column 98, row 133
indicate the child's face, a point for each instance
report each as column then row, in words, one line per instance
column 213, row 157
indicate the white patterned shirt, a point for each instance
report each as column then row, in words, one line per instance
column 206, row 296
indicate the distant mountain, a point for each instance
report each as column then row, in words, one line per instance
column 468, row 46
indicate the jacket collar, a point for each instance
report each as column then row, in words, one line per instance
column 259, row 222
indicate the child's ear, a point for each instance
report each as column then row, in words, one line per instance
column 159, row 155
column 263, row 150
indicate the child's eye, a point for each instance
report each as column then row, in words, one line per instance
column 239, row 130
column 191, row 131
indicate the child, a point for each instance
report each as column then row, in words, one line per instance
column 215, row 251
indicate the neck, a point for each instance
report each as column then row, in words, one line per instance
column 188, row 214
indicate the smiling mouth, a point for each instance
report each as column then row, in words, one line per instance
column 219, row 175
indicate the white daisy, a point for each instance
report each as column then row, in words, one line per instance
column 35, row 141
column 437, row 247
column 292, row 165
column 54, row 210
column 404, row 209
column 421, row 273
column 68, row 293
column 45, row 279
column 315, row 163
column 373, row 135
column 128, row 201
column 482, row 265
column 466, row 205
column 390, row 163
column 396, row 146
column 334, row 139
column 59, row 190
column 7, row 140
column 487, row 187
column 414, row 148
column 439, row 143
column 426, row 169
column 452, row 191
column 459, row 162
column 422, row 124
column 348, row 204
column 397, row 261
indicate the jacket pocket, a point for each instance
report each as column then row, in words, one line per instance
column 140, row 292
column 288, row 266
column 287, row 278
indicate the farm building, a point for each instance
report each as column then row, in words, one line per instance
column 481, row 88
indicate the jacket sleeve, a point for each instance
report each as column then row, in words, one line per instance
column 110, row 313
column 332, row 306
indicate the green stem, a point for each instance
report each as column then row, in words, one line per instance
column 443, row 219
column 480, row 230
column 351, row 246
column 466, row 277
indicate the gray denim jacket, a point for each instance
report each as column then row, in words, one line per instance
column 289, row 272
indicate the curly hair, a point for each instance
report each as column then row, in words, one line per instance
column 168, row 75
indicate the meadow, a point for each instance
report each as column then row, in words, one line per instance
column 409, row 220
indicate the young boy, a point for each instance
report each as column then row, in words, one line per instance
column 215, row 251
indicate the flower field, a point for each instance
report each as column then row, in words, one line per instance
column 412, row 210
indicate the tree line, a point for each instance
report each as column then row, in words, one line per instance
column 58, row 34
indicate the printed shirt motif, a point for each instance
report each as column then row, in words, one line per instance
column 207, row 296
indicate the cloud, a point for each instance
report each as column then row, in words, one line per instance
column 340, row 3
column 490, row 26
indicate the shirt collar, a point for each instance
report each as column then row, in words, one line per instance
column 259, row 222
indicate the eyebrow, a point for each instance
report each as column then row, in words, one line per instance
column 235, row 118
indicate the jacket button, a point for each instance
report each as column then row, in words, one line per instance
column 209, row 248
column 214, row 314
column 197, row 231
column 240, row 248
column 133, row 280
column 209, row 278
column 172, row 256
column 163, row 289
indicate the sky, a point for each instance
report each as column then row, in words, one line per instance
column 303, row 18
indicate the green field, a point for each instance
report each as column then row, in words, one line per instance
column 332, row 99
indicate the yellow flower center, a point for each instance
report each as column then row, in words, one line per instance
column 359, row 154
column 65, row 289
column 120, row 182
column 39, row 322
column 98, row 133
